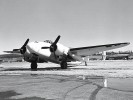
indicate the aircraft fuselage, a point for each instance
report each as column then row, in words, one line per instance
column 34, row 51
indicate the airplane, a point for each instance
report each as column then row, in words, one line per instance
column 48, row 51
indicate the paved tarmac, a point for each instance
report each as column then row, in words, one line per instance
column 78, row 83
column 56, row 87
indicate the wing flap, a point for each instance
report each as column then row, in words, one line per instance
column 86, row 51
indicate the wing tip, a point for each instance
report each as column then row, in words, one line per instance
column 126, row 43
column 7, row 51
column 122, row 44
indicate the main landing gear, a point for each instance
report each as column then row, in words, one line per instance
column 63, row 65
column 64, row 62
column 34, row 66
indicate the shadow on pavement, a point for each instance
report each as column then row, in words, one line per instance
column 8, row 94
column 38, row 69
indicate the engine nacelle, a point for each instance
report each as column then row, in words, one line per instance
column 61, row 49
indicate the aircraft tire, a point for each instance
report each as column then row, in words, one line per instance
column 63, row 65
column 85, row 63
column 33, row 66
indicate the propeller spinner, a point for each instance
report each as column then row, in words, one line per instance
column 53, row 46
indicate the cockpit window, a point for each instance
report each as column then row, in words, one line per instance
column 36, row 41
column 48, row 41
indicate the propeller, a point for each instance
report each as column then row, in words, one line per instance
column 53, row 46
column 23, row 48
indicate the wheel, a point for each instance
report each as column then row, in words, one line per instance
column 64, row 62
column 63, row 65
column 33, row 66
column 85, row 63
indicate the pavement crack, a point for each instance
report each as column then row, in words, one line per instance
column 95, row 92
column 65, row 95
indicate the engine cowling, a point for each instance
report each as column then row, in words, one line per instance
column 61, row 49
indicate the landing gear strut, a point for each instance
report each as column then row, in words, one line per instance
column 85, row 63
column 64, row 62
column 63, row 65
column 33, row 66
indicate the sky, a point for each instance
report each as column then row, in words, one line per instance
column 79, row 22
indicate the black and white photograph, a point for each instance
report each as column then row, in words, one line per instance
column 66, row 49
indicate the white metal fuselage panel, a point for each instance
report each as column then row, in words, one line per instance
column 46, row 54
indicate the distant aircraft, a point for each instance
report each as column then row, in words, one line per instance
column 48, row 51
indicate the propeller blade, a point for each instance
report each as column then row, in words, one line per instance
column 23, row 48
column 57, row 39
column 45, row 47
column 53, row 46
column 55, row 55
column 26, row 42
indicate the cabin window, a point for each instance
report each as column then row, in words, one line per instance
column 48, row 41
column 36, row 41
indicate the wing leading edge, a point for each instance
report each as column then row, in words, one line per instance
column 86, row 51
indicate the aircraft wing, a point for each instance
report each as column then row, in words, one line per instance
column 10, row 55
column 86, row 51
column 13, row 52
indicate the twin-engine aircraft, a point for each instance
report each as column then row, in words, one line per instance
column 48, row 51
